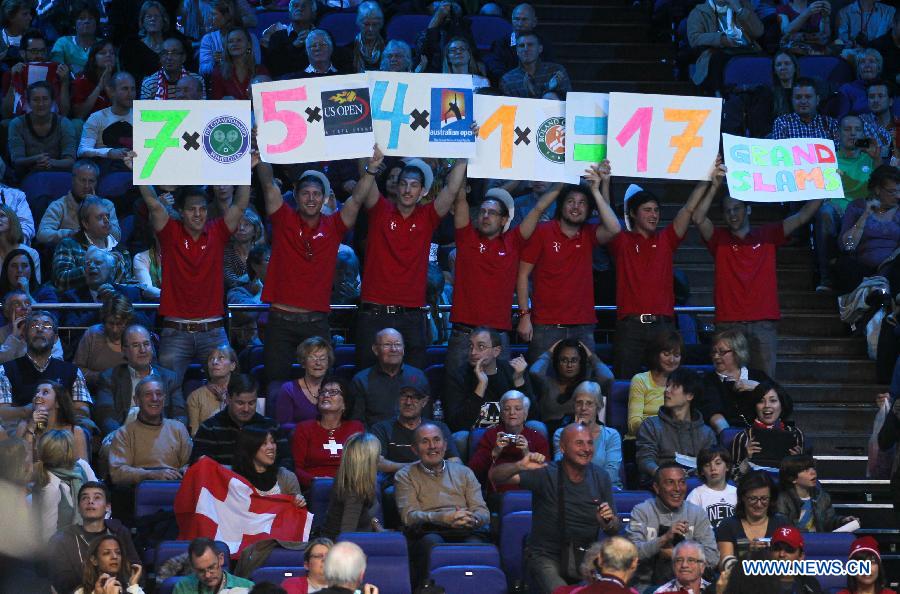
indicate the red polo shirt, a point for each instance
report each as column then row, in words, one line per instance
column 301, row 270
column 746, row 285
column 563, row 276
column 396, row 268
column 644, row 272
column 485, row 281
column 193, row 277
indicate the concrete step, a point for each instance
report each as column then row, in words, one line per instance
column 841, row 467
column 862, row 393
column 813, row 370
column 839, row 418
column 617, row 68
column 842, row 442
column 661, row 87
column 789, row 300
column 583, row 13
column 800, row 323
column 564, row 52
column 559, row 30
column 873, row 515
column 850, row 347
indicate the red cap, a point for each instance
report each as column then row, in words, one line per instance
column 789, row 536
column 865, row 544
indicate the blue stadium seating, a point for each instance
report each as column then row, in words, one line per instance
column 626, row 500
column 269, row 17
column 435, row 375
column 435, row 354
column 406, row 27
column 446, row 555
column 341, row 25
column 475, row 436
column 319, row 494
column 835, row 71
column 827, row 545
column 276, row 575
column 152, row 496
column 514, row 529
column 168, row 586
column 115, row 184
column 344, row 354
column 727, row 437
column 748, row 71
column 832, row 582
column 617, row 406
column 514, row 501
column 388, row 559
column 464, row 579
column 282, row 557
column 487, row 29
column 43, row 188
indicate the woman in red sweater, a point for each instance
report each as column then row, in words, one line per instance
column 865, row 548
column 318, row 444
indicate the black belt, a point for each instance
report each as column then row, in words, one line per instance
column 194, row 326
column 378, row 309
column 298, row 316
column 649, row 318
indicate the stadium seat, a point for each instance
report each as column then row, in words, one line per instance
column 168, row 586
column 276, row 575
column 435, row 375
column 115, row 185
column 445, row 555
column 436, row 354
column 43, row 188
column 346, row 372
column 487, row 29
column 406, row 27
column 831, row 583
column 827, row 545
column 266, row 18
column 748, row 71
column 514, row 501
column 626, row 500
column 282, row 557
column 692, row 483
column 153, row 496
column 341, row 26
column 388, row 560
column 833, row 70
column 514, row 529
column 344, row 354
column 461, row 439
column 701, row 369
column 464, row 579
column 319, row 494
column 727, row 437
column 475, row 436
column 617, row 406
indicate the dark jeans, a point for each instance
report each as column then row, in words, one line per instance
column 411, row 324
column 284, row 331
column 851, row 272
column 632, row 338
column 546, row 335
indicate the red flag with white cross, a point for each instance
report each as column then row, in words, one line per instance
column 217, row 503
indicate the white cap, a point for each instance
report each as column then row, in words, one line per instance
column 504, row 197
column 427, row 173
column 326, row 185
column 629, row 192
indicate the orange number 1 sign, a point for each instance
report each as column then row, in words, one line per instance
column 505, row 118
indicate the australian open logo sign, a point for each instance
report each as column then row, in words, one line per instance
column 226, row 139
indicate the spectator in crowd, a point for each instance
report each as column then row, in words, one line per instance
column 878, row 122
column 507, row 441
column 643, row 253
column 787, row 545
column 870, row 232
column 502, row 57
column 249, row 232
column 558, row 371
column 61, row 218
column 368, row 43
column 244, row 324
column 473, row 391
column 209, row 574
column 161, row 84
column 755, row 518
column 34, row 67
column 889, row 47
column 89, row 89
column 305, row 244
column 152, row 447
column 71, row 545
column 209, row 398
column 217, row 436
column 460, row 58
column 865, row 548
column 15, row 200
column 397, row 57
column 107, row 133
column 396, row 266
column 353, row 505
column 93, row 239
column 73, row 50
column 345, row 566
column 319, row 56
column 13, row 239
column 53, row 410
column 232, row 75
column 17, row 310
column 100, row 347
column 439, row 501
column 802, row 500
column 16, row 20
column 254, row 459
column 19, row 378
column 147, row 268
column 314, row 562
column 447, row 22
column 559, row 255
column 688, row 565
column 855, row 166
column 58, row 475
column 524, row 204
column 572, row 500
column 645, row 394
column 716, row 31
column 107, row 569
column 805, row 25
column 284, row 45
column 317, row 445
column 761, row 112
column 100, row 268
column 198, row 16
column 615, row 565
column 375, row 390
column 715, row 495
column 140, row 54
column 746, row 288
column 41, row 140
column 663, row 521
column 116, row 386
column 589, row 405
column 861, row 22
column 677, row 430
column 804, row 121
column 213, row 46
column 533, row 78
column 852, row 95
column 296, row 400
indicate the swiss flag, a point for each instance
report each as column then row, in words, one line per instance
column 217, row 503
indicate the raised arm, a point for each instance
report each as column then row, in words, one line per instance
column 699, row 216
column 238, row 206
column 158, row 214
column 461, row 212
column 508, row 474
column 801, row 217
column 363, row 189
column 455, row 181
column 271, row 193
column 598, row 177
column 529, row 224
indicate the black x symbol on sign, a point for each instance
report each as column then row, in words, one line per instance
column 522, row 136
column 313, row 114
column 420, row 120
column 190, row 141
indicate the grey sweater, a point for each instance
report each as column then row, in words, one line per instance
column 659, row 438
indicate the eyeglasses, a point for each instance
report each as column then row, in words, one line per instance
column 172, row 54
column 687, row 561
column 390, row 346
column 317, row 556
column 40, row 326
column 317, row 358
column 754, row 500
column 722, row 353
column 331, row 392
column 491, row 212
column 480, row 348
column 570, row 360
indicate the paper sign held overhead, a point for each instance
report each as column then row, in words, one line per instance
column 587, row 122
column 792, row 169
column 191, row 142
column 521, row 139
column 663, row 136
column 314, row 119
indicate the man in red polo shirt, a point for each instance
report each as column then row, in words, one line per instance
column 560, row 255
column 394, row 274
column 487, row 261
column 304, row 254
column 193, row 286
column 746, row 287
column 645, row 294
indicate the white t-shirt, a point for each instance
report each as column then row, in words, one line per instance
column 718, row 504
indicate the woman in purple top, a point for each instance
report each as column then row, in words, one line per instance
column 296, row 400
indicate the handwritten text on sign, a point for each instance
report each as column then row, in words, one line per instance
column 663, row 136
column 786, row 170
column 191, row 142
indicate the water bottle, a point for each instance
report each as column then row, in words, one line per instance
column 438, row 412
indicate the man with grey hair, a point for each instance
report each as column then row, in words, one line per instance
column 345, row 566
column 61, row 218
column 616, row 563
column 396, row 57
column 688, row 564
column 319, row 51
column 94, row 231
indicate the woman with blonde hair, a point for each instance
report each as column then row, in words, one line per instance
column 353, row 506
column 58, row 476
column 209, row 398
column 296, row 400
column 231, row 77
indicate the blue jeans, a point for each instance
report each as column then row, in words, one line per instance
column 177, row 348
column 545, row 336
